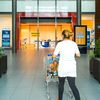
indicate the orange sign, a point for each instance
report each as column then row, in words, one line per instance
column 34, row 34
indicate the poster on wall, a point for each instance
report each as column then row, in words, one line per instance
column 88, row 38
column 92, row 39
column 80, row 36
column 6, row 38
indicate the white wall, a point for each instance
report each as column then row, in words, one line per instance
column 47, row 6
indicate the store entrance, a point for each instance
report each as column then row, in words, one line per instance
column 28, row 36
column 35, row 35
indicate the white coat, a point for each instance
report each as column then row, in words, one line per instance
column 67, row 63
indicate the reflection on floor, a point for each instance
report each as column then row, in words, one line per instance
column 28, row 46
column 25, row 79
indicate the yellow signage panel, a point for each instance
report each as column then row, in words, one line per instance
column 34, row 34
column 80, row 35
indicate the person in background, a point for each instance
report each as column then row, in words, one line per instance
column 67, row 49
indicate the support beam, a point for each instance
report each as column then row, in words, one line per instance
column 38, row 24
column 55, row 22
column 14, row 10
column 78, row 12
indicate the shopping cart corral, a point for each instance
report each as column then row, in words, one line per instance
column 51, row 65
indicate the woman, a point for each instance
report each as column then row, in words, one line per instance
column 67, row 49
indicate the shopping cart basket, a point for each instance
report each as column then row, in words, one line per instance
column 52, row 75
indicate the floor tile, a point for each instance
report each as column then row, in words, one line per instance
column 25, row 78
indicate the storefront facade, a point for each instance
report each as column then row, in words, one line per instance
column 43, row 20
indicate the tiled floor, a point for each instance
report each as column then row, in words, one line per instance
column 25, row 79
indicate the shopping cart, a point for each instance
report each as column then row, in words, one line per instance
column 52, row 76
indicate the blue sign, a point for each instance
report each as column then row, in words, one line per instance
column 88, row 39
column 5, row 38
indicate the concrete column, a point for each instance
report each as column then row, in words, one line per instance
column 38, row 24
column 55, row 22
column 14, row 10
column 78, row 12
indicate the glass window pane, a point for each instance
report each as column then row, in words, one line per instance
column 27, row 26
column 47, row 26
column 66, row 5
column 5, row 5
column 46, row 5
column 88, row 19
column 5, row 24
column 65, row 9
column 88, row 5
column 26, row 5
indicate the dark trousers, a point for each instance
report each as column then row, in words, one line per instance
column 71, row 82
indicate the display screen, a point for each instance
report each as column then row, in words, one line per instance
column 80, row 35
column 6, row 36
